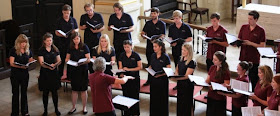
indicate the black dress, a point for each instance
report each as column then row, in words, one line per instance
column 49, row 79
column 132, row 87
column 78, row 75
column 185, row 90
column 107, row 57
column 159, row 87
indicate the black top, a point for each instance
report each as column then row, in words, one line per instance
column 153, row 29
column 22, row 59
column 76, row 54
column 158, row 63
column 183, row 32
column 64, row 26
column 130, row 62
column 182, row 67
column 88, row 35
column 124, row 21
column 49, row 57
column 104, row 54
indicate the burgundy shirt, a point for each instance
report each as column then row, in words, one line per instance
column 212, row 73
column 262, row 93
column 219, row 33
column 243, row 100
column 257, row 35
column 100, row 84
column 278, row 60
column 274, row 101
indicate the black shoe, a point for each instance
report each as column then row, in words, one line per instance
column 57, row 113
column 71, row 112
column 85, row 112
column 45, row 114
column 146, row 84
column 175, row 88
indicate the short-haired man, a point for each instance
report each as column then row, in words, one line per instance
column 253, row 36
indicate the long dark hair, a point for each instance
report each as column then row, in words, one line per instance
column 224, row 65
column 49, row 35
column 160, row 44
column 246, row 65
column 73, row 36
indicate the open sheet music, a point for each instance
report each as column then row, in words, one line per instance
column 74, row 63
column 251, row 111
column 220, row 87
column 266, row 52
column 65, row 34
column 152, row 38
column 240, row 87
column 118, row 71
column 92, row 60
column 233, row 40
column 152, row 72
column 171, row 41
column 208, row 39
column 124, row 101
column 271, row 112
column 119, row 29
column 198, row 80
column 49, row 65
column 170, row 73
column 97, row 26
column 27, row 65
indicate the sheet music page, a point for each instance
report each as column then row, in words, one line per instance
column 243, row 92
column 147, row 37
column 217, row 86
column 169, row 40
column 198, row 80
column 115, row 28
column 168, row 71
column 251, row 111
column 201, row 37
column 90, row 24
column 61, row 32
column 151, row 71
column 264, row 51
column 271, row 112
column 73, row 63
column 236, row 84
column 125, row 101
column 31, row 62
column 230, row 38
column 82, row 60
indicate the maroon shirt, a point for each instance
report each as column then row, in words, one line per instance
column 212, row 73
column 262, row 93
column 257, row 35
column 278, row 60
column 100, row 84
column 219, row 33
column 243, row 100
column 274, row 101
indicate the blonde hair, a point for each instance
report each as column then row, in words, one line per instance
column 177, row 13
column 99, row 49
column 190, row 53
column 21, row 39
column 268, row 75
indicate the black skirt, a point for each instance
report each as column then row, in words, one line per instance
column 185, row 98
column 78, row 76
column 49, row 79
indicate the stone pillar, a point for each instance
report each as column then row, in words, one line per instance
column 132, row 7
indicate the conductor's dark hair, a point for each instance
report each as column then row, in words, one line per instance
column 160, row 43
column 127, row 42
column 255, row 14
column 215, row 15
column 155, row 9
column 66, row 7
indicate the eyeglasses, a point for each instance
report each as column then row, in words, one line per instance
column 88, row 11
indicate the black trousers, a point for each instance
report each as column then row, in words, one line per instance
column 149, row 52
column 118, row 50
column 236, row 111
column 112, row 113
column 216, row 107
column 253, row 76
column 19, row 84
column 46, row 99
column 209, row 63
